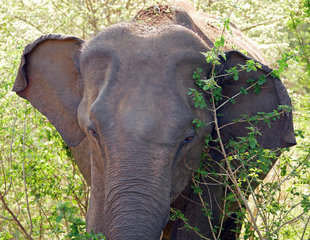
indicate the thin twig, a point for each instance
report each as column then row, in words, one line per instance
column 17, row 203
column 29, row 23
column 223, row 212
column 11, row 155
column 127, row 4
column 24, row 176
column 290, row 221
column 260, row 24
column 231, row 175
column 236, row 95
column 195, row 231
column 47, row 219
column 190, row 200
column 18, row 223
column 290, row 174
column 205, row 208
column 5, row 218
column 305, row 228
column 256, row 202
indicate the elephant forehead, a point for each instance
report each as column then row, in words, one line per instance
column 127, row 39
column 121, row 57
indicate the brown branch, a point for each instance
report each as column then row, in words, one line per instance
column 305, row 228
column 18, row 223
column 205, row 209
column 24, row 176
column 193, row 229
column 47, row 219
column 5, row 218
column 128, row 4
column 260, row 24
column 288, row 222
column 29, row 23
column 231, row 174
column 11, row 156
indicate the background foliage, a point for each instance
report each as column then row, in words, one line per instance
column 42, row 194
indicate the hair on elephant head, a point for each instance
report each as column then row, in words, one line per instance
column 121, row 102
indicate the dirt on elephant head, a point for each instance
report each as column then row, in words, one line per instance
column 157, row 14
column 154, row 19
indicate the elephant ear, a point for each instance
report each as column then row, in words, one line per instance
column 48, row 79
column 265, row 99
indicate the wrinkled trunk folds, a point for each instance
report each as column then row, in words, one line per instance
column 137, row 197
column 135, row 217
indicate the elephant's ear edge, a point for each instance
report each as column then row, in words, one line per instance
column 21, row 80
column 60, row 110
column 285, row 100
column 285, row 125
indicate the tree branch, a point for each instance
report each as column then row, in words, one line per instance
column 7, row 189
column 18, row 223
column 260, row 24
column 24, row 176
column 29, row 23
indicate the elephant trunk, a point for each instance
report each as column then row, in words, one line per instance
column 137, row 198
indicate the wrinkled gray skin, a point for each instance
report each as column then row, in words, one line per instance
column 120, row 102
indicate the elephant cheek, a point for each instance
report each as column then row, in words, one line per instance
column 183, row 171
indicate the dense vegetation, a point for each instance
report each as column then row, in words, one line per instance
column 42, row 194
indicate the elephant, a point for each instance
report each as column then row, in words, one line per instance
column 120, row 102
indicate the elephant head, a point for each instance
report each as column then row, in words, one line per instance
column 121, row 102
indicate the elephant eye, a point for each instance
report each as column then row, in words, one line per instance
column 188, row 139
column 92, row 132
column 190, row 135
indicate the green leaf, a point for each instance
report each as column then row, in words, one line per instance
column 252, row 142
column 243, row 91
column 232, row 100
column 261, row 80
column 197, row 189
column 198, row 123
column 220, row 42
column 251, row 65
column 233, row 72
column 58, row 218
